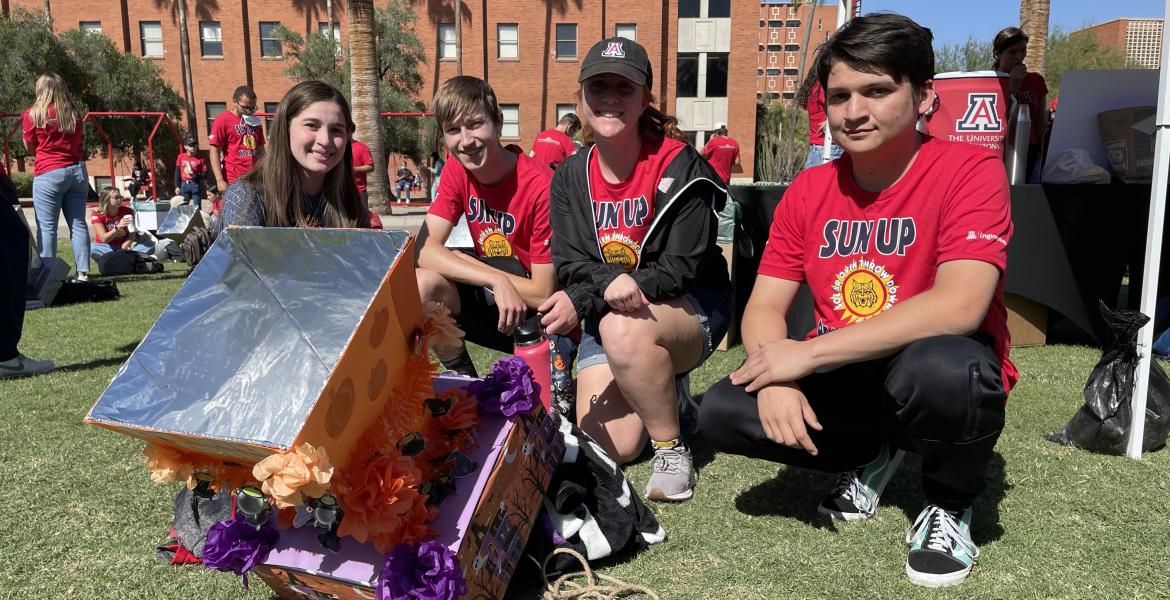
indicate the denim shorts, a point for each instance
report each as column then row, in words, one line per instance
column 713, row 309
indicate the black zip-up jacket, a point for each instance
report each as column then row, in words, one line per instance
column 679, row 253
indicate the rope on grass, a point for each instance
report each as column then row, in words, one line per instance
column 565, row 588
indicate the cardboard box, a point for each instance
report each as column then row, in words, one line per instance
column 486, row 521
column 277, row 338
column 148, row 216
column 1128, row 136
column 1027, row 321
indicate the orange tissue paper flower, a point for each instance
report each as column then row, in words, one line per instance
column 379, row 499
column 462, row 414
column 439, row 326
column 291, row 476
column 167, row 464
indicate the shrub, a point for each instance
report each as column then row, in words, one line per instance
column 23, row 183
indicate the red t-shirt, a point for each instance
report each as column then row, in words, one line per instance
column 110, row 223
column 816, row 114
column 861, row 252
column 52, row 148
column 238, row 142
column 722, row 152
column 507, row 218
column 551, row 147
column 1033, row 92
column 361, row 158
column 190, row 167
column 624, row 211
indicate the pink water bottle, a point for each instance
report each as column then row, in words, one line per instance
column 531, row 345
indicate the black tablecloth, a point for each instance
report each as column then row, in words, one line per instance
column 1072, row 246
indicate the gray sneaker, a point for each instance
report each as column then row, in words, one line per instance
column 674, row 476
column 23, row 366
column 858, row 492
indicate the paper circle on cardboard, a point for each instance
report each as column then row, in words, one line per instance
column 381, row 324
column 377, row 380
column 340, row 409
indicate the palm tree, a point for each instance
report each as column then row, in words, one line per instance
column 808, row 16
column 1034, row 22
column 185, row 65
column 364, row 78
column 458, row 5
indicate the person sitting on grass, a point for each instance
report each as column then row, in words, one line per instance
column 634, row 246
column 903, row 243
column 504, row 196
column 113, row 227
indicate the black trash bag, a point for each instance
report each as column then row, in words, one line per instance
column 1102, row 423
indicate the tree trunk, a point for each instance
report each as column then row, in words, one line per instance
column 812, row 9
column 185, row 64
column 49, row 14
column 329, row 10
column 458, row 36
column 1034, row 22
column 363, row 77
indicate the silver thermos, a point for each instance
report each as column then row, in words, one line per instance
column 1017, row 154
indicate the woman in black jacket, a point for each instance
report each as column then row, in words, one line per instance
column 634, row 226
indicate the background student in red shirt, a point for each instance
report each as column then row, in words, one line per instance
column 363, row 164
column 1026, row 87
column 113, row 226
column 189, row 173
column 722, row 152
column 237, row 141
column 53, row 133
column 555, row 145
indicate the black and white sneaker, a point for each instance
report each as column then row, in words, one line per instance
column 858, row 492
column 941, row 550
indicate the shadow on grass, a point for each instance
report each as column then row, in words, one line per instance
column 93, row 364
column 795, row 494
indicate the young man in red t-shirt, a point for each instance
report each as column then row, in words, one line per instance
column 236, row 139
column 722, row 152
column 903, row 244
column 504, row 196
column 189, row 172
column 363, row 164
column 555, row 145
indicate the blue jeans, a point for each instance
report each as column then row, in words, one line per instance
column 97, row 249
column 815, row 152
column 62, row 190
column 403, row 190
column 189, row 190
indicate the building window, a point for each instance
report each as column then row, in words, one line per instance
column 718, row 9
column 794, row 23
column 688, row 9
column 716, row 75
column 447, row 47
column 511, row 128
column 564, row 109
column 210, row 38
column 773, row 72
column 270, row 108
column 90, row 26
column 214, row 109
column 687, row 79
column 151, row 35
column 508, row 40
column 626, row 30
column 791, row 47
column 820, row 25
column 566, row 40
column 323, row 29
column 100, row 181
column 269, row 43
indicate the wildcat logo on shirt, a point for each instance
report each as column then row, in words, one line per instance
column 618, row 249
column 631, row 212
column 981, row 114
column 863, row 289
column 494, row 243
column 888, row 236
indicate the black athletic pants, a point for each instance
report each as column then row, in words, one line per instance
column 13, row 278
column 941, row 397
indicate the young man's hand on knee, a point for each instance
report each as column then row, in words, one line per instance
column 786, row 416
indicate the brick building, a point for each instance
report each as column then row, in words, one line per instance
column 1140, row 40
column 782, row 30
column 703, row 52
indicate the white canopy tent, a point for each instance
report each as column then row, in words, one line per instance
column 1153, row 248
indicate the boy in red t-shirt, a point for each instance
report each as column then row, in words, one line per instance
column 722, row 152
column 553, row 146
column 363, row 164
column 903, row 245
column 189, row 172
column 503, row 195
column 236, row 139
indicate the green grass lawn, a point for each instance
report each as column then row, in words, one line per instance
column 81, row 517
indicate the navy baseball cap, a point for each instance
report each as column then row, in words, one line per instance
column 619, row 56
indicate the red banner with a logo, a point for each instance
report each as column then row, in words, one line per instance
column 972, row 107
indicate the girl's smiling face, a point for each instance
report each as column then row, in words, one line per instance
column 612, row 105
column 318, row 137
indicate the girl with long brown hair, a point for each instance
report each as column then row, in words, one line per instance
column 305, row 177
column 633, row 222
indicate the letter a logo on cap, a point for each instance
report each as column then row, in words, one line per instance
column 614, row 50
